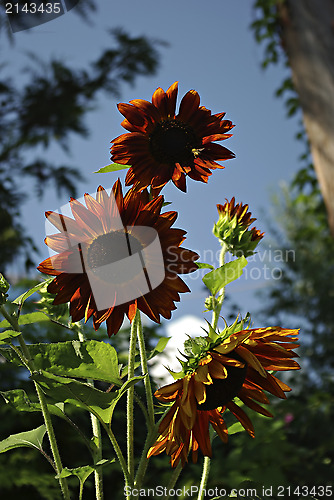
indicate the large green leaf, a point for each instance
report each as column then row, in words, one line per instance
column 90, row 359
column 10, row 355
column 32, row 439
column 111, row 168
column 21, row 298
column 218, row 278
column 18, row 399
column 5, row 337
column 82, row 395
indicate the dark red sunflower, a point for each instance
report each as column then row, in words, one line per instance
column 223, row 368
column 89, row 267
column 162, row 146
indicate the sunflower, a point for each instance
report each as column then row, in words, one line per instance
column 233, row 228
column 91, row 270
column 218, row 369
column 162, row 146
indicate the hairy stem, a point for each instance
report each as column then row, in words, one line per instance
column 96, row 428
column 144, row 369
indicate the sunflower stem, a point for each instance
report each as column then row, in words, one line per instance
column 96, row 428
column 218, row 301
column 217, row 305
column 204, row 478
column 144, row 370
column 130, row 396
column 120, row 457
column 13, row 320
column 173, row 479
column 143, row 463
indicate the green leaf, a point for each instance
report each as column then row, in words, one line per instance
column 27, row 319
column 90, row 359
column 82, row 395
column 31, row 439
column 6, row 336
column 219, row 278
column 21, row 298
column 18, row 399
column 111, row 168
column 202, row 265
column 163, row 341
column 83, row 472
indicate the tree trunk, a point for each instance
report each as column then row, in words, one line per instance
column 308, row 38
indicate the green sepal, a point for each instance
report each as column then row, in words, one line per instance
column 219, row 278
column 30, row 439
column 83, row 472
column 113, row 167
column 4, row 287
column 195, row 346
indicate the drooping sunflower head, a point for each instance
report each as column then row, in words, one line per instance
column 235, row 363
column 115, row 255
column 162, row 145
column 233, row 228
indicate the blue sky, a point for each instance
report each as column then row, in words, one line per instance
column 211, row 49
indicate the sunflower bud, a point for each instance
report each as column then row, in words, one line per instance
column 232, row 229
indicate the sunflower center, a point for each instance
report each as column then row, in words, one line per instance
column 172, row 142
column 224, row 390
column 110, row 248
